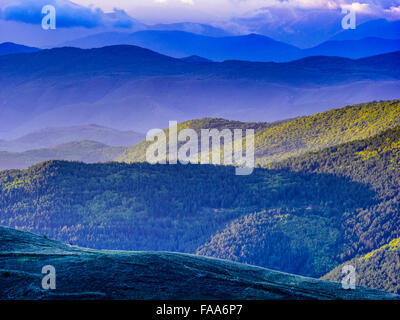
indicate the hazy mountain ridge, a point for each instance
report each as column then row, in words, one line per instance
column 251, row 47
column 13, row 48
column 380, row 28
column 74, row 87
column 53, row 136
column 85, row 151
column 180, row 44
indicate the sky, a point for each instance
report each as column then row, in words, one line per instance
column 288, row 20
column 205, row 11
column 212, row 10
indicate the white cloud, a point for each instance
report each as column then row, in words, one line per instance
column 223, row 10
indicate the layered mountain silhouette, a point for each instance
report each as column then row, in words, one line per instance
column 379, row 28
column 250, row 47
column 181, row 44
column 131, row 87
column 355, row 48
column 12, row 48
column 85, row 151
column 53, row 136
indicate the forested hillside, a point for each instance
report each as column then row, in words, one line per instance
column 173, row 208
column 306, row 214
column 137, row 153
column 379, row 269
column 373, row 162
column 280, row 140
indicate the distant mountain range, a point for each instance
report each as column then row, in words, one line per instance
column 196, row 28
column 53, row 136
column 180, row 44
column 251, row 47
column 84, row 151
column 354, row 48
column 11, row 48
column 380, row 28
column 131, row 87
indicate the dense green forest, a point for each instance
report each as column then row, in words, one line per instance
column 174, row 208
column 373, row 162
column 379, row 269
column 305, row 214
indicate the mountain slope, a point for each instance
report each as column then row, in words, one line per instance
column 326, row 129
column 380, row 28
column 90, row 274
column 300, row 241
column 74, row 87
column 85, row 151
column 304, row 215
column 378, row 269
column 13, row 48
column 373, row 162
column 170, row 208
column 280, row 140
column 137, row 153
column 252, row 47
column 354, row 49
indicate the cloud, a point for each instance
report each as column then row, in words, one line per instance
column 95, row 13
column 68, row 14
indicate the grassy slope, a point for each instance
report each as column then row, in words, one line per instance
column 90, row 274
